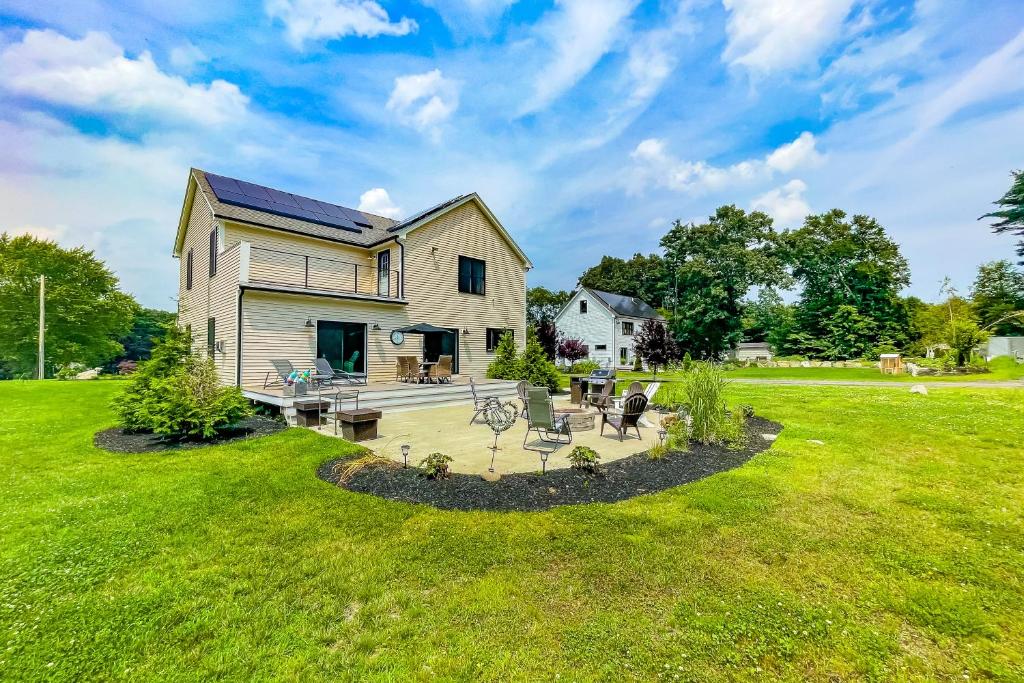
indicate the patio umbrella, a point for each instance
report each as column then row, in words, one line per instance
column 421, row 328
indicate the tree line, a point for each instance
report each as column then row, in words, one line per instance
column 717, row 283
column 89, row 321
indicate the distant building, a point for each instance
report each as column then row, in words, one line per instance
column 751, row 351
column 1005, row 346
column 606, row 323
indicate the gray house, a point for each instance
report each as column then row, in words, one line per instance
column 606, row 323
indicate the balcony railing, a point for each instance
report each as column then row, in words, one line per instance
column 286, row 269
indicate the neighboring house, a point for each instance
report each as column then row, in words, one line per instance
column 1005, row 346
column 751, row 351
column 270, row 275
column 606, row 323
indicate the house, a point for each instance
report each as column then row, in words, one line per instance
column 606, row 323
column 1005, row 346
column 268, row 275
column 751, row 351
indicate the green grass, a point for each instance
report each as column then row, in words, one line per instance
column 1002, row 369
column 894, row 551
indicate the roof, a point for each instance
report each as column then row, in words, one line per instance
column 752, row 345
column 628, row 306
column 381, row 229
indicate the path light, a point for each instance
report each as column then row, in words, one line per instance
column 405, row 454
column 661, row 436
column 543, row 462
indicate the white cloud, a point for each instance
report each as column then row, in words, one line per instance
column 577, row 33
column 785, row 204
column 95, row 74
column 54, row 233
column 377, row 201
column 781, row 34
column 470, row 16
column 800, row 152
column 187, row 56
column 655, row 166
column 424, row 101
column 331, row 19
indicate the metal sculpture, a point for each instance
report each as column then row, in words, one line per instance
column 499, row 417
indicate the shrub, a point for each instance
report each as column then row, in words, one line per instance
column 687, row 361
column 704, row 386
column 584, row 367
column 657, row 452
column 745, row 409
column 177, row 394
column 127, row 367
column 348, row 469
column 506, row 360
column 435, row 466
column 584, row 458
column 69, row 371
column 733, row 430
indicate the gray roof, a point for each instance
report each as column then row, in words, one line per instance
column 628, row 306
column 379, row 232
column 752, row 345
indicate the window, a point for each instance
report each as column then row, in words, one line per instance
column 601, row 347
column 472, row 275
column 627, row 329
column 211, row 335
column 623, row 355
column 494, row 336
column 583, row 305
column 188, row 270
column 213, row 252
column 342, row 344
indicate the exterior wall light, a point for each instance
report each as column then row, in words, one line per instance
column 375, row 326
column 309, row 322
column 465, row 332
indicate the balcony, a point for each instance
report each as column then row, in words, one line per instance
column 292, row 272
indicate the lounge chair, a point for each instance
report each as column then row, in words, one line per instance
column 541, row 418
column 283, row 368
column 479, row 404
column 325, row 374
column 441, row 371
column 632, row 410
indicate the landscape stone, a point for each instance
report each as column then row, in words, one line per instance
column 919, row 389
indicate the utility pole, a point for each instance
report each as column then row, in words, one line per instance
column 41, row 372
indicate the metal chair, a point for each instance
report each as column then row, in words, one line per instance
column 325, row 374
column 541, row 418
column 283, row 368
column 521, row 388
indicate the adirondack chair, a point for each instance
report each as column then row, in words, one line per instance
column 632, row 410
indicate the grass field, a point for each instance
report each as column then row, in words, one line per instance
column 893, row 551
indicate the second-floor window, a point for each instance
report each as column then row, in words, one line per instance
column 583, row 305
column 213, row 252
column 472, row 275
column 627, row 329
column 188, row 270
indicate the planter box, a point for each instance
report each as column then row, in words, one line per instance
column 297, row 389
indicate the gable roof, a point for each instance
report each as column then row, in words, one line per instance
column 628, row 306
column 381, row 229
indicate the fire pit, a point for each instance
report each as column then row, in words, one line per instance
column 580, row 420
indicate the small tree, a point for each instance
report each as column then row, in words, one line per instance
column 547, row 335
column 654, row 345
column 535, row 367
column 506, row 361
column 572, row 349
column 963, row 335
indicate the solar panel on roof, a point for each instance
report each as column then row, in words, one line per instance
column 252, row 196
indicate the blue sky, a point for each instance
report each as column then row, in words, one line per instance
column 588, row 126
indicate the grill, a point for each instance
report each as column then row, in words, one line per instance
column 600, row 376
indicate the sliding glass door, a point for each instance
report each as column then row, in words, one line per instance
column 342, row 344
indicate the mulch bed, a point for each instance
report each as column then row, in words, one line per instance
column 633, row 476
column 119, row 441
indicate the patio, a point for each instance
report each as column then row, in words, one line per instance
column 447, row 430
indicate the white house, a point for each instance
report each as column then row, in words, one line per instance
column 751, row 351
column 606, row 323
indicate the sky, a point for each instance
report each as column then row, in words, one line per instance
column 588, row 126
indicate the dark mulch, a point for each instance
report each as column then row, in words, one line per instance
column 119, row 441
column 626, row 478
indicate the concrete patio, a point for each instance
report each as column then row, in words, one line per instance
column 447, row 430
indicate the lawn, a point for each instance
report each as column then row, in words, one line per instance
column 1001, row 369
column 895, row 550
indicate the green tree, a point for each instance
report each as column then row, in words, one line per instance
column 768, row 319
column 535, row 367
column 506, row 359
column 543, row 304
column 998, row 298
column 963, row 335
column 716, row 263
column 645, row 277
column 85, row 312
column 1011, row 213
column 149, row 325
column 847, row 263
column 848, row 334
